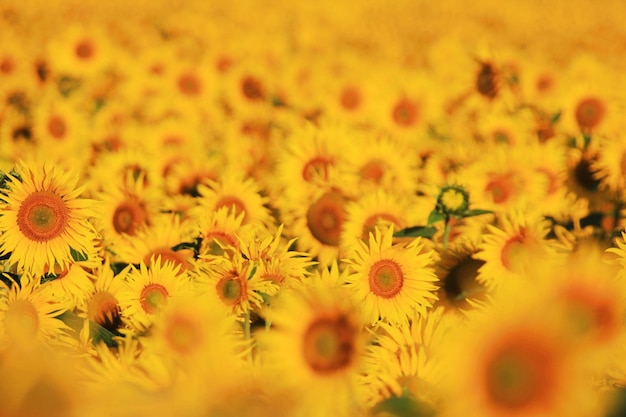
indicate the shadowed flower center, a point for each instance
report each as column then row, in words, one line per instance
column 104, row 310
column 325, row 218
column 329, row 344
column 153, row 298
column 231, row 289
column 486, row 81
column 42, row 216
column 252, row 89
column 168, row 255
column 591, row 315
column 460, row 283
column 373, row 170
column 385, row 278
column 189, row 85
column 233, row 203
column 382, row 220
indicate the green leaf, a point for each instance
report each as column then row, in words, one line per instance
column 417, row 231
column 555, row 117
column 78, row 256
column 436, row 216
column 476, row 212
column 403, row 407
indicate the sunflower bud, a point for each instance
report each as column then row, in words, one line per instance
column 453, row 200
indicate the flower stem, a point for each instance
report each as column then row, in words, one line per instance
column 446, row 233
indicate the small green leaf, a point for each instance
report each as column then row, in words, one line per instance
column 555, row 117
column 78, row 256
column 476, row 212
column 417, row 231
column 403, row 407
column 436, row 216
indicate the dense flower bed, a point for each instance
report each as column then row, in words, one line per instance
column 263, row 209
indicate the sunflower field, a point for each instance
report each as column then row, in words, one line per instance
column 368, row 208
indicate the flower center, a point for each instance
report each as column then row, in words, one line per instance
column 84, row 50
column 231, row 290
column 385, row 278
column 500, row 189
column 520, row 374
column 42, row 216
column 6, row 66
column 405, row 112
column 373, row 170
column 486, row 81
column 584, row 174
column 252, row 89
column 350, row 98
column 104, row 310
column 56, row 127
column 168, row 255
column 591, row 314
column 590, row 112
column 317, row 168
column 128, row 217
column 325, row 218
column 329, row 344
column 153, row 298
column 460, row 282
column 182, row 334
column 189, row 85
column 232, row 203
column 382, row 220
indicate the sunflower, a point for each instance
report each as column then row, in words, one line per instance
column 238, row 193
column 379, row 208
column 29, row 314
column 391, row 282
column 515, row 249
column 218, row 230
column 159, row 241
column 510, row 359
column 149, row 291
column 44, row 221
column 457, row 271
column 315, row 347
column 235, row 283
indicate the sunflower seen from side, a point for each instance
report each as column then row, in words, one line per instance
column 391, row 282
column 44, row 220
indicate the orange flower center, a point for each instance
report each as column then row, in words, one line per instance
column 104, row 310
column 350, row 98
column 6, row 66
column 153, row 298
column 329, row 344
column 57, row 127
column 590, row 112
column 129, row 216
column 405, row 112
column 520, row 374
column 591, row 313
column 84, row 50
column 42, row 216
column 231, row 289
column 373, row 170
column 515, row 253
column 178, row 258
column 378, row 219
column 385, row 278
column 325, row 218
column 182, row 334
column 189, row 84
column 500, row 188
column 233, row 203
column 317, row 168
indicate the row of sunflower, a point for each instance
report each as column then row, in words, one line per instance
column 195, row 221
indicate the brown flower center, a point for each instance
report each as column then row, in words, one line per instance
column 405, row 112
column 329, row 344
column 590, row 111
column 252, row 89
column 57, row 127
column 189, row 84
column 84, row 50
column 42, row 216
column 350, row 98
column 231, row 289
column 129, row 216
